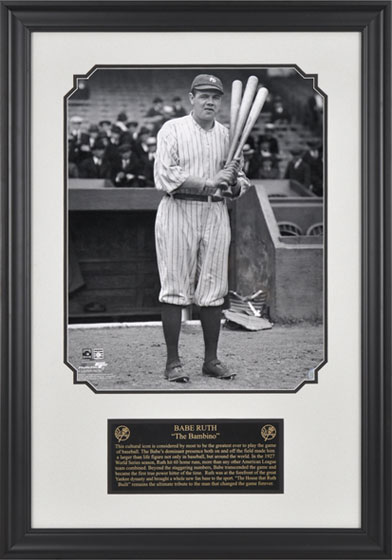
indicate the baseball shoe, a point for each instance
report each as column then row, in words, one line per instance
column 215, row 368
column 175, row 372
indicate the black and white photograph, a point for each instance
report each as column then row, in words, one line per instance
column 195, row 247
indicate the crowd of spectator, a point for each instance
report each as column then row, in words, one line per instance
column 263, row 161
column 124, row 151
column 117, row 151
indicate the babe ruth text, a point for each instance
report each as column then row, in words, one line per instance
column 196, row 466
column 187, row 431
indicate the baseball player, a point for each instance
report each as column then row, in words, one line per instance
column 192, row 228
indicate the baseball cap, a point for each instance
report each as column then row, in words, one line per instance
column 207, row 81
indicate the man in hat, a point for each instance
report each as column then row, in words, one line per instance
column 157, row 108
column 112, row 152
column 105, row 125
column 141, row 147
column 93, row 131
column 130, row 136
column 121, row 121
column 279, row 113
column 89, row 141
column 103, row 137
column 76, row 128
column 78, row 140
column 192, row 228
column 156, row 115
column 297, row 169
column 252, row 162
column 95, row 166
column 267, row 169
column 268, row 136
column 148, row 162
column 314, row 158
column 178, row 108
column 126, row 169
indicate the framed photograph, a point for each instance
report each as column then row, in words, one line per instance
column 269, row 283
column 195, row 279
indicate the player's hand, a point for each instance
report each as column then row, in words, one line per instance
column 240, row 188
column 234, row 166
column 223, row 177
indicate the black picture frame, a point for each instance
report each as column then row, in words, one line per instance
column 19, row 20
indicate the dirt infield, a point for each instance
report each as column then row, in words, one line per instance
column 134, row 358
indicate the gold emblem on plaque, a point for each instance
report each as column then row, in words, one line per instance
column 268, row 432
column 122, row 433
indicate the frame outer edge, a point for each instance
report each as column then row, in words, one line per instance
column 19, row 415
column 15, row 251
column 153, row 15
column 4, row 255
column 387, row 176
column 370, row 289
column 375, row 288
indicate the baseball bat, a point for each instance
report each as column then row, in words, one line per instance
column 251, row 120
column 243, row 112
column 236, row 94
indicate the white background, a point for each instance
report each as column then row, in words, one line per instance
column 322, row 421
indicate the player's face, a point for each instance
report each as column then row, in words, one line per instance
column 206, row 104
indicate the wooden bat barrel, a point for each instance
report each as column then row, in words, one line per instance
column 235, row 103
column 243, row 113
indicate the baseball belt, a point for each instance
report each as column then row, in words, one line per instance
column 198, row 197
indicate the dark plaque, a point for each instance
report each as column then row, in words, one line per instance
column 171, row 456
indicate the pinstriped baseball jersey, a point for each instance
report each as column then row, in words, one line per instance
column 186, row 151
column 192, row 237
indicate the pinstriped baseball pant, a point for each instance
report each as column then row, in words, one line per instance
column 192, row 242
